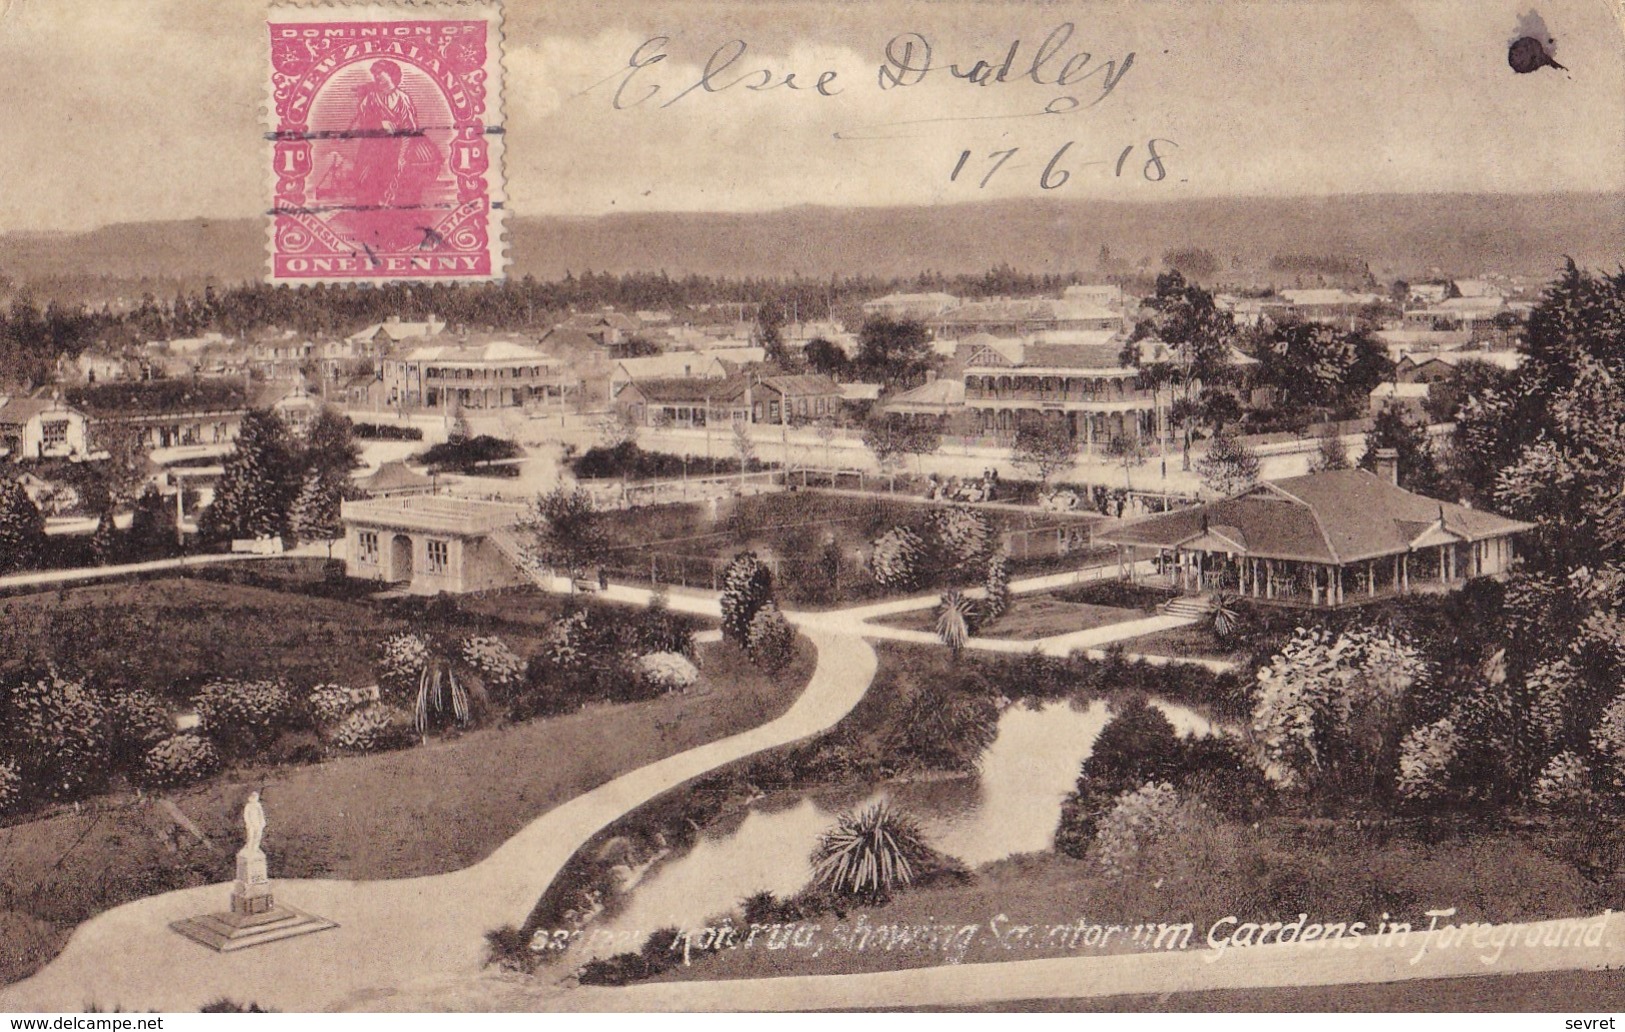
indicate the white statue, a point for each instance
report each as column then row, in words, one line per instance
column 254, row 821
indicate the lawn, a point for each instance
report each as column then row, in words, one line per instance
column 424, row 810
column 172, row 634
column 1029, row 618
column 793, row 531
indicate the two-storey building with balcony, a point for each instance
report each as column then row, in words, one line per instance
column 1082, row 381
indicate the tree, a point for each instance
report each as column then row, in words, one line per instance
column 1043, row 447
column 257, row 488
column 887, row 436
column 919, row 438
column 330, row 448
column 1195, row 262
column 1332, row 453
column 894, row 352
column 1199, row 336
column 22, row 527
column 566, row 531
column 997, row 584
column 897, row 558
column 1229, row 467
column 1417, row 470
column 771, row 640
column 152, row 526
column 769, row 334
column 315, row 514
column 635, row 346
column 1313, row 367
column 824, row 357
column 747, row 587
column 1128, row 453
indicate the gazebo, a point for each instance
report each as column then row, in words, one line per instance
column 1327, row 539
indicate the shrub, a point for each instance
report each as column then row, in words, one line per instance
column 492, row 660
column 1136, row 820
column 948, row 726
column 331, row 703
column 244, row 715
column 386, row 432
column 11, row 785
column 136, row 721
column 57, row 732
column 401, row 659
column 659, row 954
column 1608, row 737
column 771, row 641
column 960, row 538
column 179, row 760
column 369, row 730
column 747, row 586
column 1425, row 759
column 997, row 583
column 897, row 559
column 668, row 671
column 1564, row 783
column 871, row 853
column 468, row 454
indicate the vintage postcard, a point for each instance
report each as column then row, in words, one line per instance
column 712, row 505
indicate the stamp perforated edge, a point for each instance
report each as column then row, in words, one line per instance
column 496, row 115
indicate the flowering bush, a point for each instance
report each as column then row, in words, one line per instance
column 567, row 646
column 491, row 658
column 897, row 558
column 1564, row 784
column 368, row 730
column 1425, row 757
column 59, row 735
column 997, row 583
column 668, row 671
column 331, row 703
column 1327, row 701
column 401, row 660
column 244, row 714
column 179, row 760
column 772, row 640
column 136, row 721
column 747, row 586
column 11, row 784
column 1137, row 820
column 962, row 537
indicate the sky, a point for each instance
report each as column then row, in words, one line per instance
column 131, row 110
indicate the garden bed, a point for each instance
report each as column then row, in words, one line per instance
column 419, row 811
column 1029, row 618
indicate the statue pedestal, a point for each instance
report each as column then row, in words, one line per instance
column 255, row 918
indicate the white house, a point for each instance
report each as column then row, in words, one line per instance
column 41, row 428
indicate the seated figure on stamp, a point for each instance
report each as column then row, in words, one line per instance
column 394, row 162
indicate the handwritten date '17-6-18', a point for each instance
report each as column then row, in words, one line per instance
column 1151, row 165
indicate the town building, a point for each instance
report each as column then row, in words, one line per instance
column 1408, row 398
column 190, row 413
column 1085, row 384
column 707, row 364
column 495, row 375
column 915, row 307
column 394, row 479
column 427, row 544
column 42, row 428
column 383, row 338
column 1024, row 316
column 1340, row 537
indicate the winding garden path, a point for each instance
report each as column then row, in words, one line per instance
column 407, row 934
column 402, row 932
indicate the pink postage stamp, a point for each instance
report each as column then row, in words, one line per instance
column 386, row 143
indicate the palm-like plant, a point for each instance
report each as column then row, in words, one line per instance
column 438, row 681
column 1226, row 614
column 869, row 853
column 954, row 620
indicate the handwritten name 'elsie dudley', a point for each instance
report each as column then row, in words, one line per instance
column 908, row 59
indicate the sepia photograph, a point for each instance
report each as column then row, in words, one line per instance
column 690, row 506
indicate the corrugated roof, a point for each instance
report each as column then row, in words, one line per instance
column 1337, row 517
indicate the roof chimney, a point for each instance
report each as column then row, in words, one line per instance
column 1388, row 465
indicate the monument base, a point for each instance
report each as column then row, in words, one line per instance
column 235, row 930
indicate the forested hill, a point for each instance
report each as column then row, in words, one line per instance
column 1395, row 235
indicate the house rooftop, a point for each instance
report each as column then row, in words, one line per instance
column 460, row 517
column 1334, row 517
